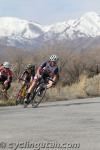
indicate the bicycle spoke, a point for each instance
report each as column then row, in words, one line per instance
column 39, row 95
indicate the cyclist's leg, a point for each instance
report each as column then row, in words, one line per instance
column 6, row 88
column 32, row 86
column 2, row 80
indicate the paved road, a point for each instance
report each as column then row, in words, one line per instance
column 52, row 125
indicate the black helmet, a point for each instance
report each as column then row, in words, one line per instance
column 30, row 66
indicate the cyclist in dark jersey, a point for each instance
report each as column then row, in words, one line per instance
column 28, row 75
column 50, row 69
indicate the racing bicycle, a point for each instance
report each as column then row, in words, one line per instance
column 38, row 94
column 22, row 93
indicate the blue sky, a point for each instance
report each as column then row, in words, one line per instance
column 47, row 11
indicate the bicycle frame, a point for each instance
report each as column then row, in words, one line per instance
column 36, row 96
column 21, row 93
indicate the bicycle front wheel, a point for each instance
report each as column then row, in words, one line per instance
column 38, row 96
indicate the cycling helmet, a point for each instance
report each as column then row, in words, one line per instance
column 53, row 58
column 7, row 65
column 30, row 66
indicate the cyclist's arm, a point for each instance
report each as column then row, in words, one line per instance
column 22, row 75
column 7, row 83
column 40, row 68
column 9, row 76
column 54, row 79
column 1, row 70
column 52, row 83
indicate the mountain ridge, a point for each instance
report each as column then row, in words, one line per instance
column 28, row 34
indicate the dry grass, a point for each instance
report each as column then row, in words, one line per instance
column 76, row 90
column 7, row 102
column 93, row 86
column 85, row 87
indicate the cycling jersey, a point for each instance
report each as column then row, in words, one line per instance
column 6, row 72
column 6, row 77
column 52, row 70
column 27, row 76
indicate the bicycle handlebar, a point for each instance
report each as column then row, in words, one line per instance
column 50, row 79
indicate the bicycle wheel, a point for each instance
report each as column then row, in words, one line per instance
column 38, row 95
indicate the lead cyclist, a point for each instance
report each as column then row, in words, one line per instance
column 51, row 68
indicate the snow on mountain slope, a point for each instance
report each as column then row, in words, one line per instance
column 19, row 28
column 17, row 32
column 87, row 26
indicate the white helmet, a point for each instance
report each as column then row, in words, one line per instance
column 6, row 64
column 53, row 58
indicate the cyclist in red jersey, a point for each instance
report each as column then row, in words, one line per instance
column 6, row 75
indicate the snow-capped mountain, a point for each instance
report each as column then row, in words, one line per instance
column 87, row 26
column 28, row 34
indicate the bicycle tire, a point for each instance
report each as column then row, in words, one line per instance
column 36, row 99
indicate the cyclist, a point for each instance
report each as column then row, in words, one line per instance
column 27, row 77
column 28, row 74
column 6, row 76
column 49, row 68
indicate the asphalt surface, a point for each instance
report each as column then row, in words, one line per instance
column 68, row 125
